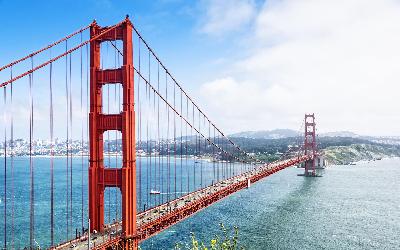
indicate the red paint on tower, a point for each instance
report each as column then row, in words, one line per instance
column 124, row 178
column 310, row 145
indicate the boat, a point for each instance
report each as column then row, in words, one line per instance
column 155, row 192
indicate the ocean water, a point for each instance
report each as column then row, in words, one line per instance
column 156, row 173
column 350, row 207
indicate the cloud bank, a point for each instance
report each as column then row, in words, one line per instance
column 339, row 59
column 222, row 17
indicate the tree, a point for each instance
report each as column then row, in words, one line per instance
column 221, row 241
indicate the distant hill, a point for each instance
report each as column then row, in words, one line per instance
column 337, row 136
column 340, row 134
column 286, row 133
column 267, row 134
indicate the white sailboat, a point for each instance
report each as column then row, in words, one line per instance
column 154, row 191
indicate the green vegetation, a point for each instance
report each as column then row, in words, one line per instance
column 267, row 157
column 223, row 241
column 356, row 152
column 338, row 150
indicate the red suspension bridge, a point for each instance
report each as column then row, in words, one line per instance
column 153, row 156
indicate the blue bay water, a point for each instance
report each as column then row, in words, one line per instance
column 351, row 207
column 157, row 173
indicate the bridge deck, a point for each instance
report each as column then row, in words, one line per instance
column 160, row 218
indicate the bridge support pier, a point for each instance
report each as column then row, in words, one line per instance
column 124, row 177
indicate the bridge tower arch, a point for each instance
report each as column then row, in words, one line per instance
column 310, row 145
column 124, row 177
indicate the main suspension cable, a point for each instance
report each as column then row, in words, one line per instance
column 45, row 48
column 61, row 55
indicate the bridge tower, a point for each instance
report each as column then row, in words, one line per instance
column 124, row 177
column 310, row 145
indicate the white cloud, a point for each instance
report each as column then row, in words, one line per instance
column 339, row 59
column 225, row 16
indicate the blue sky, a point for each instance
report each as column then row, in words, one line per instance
column 251, row 64
column 173, row 28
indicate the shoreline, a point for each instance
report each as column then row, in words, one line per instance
column 366, row 161
column 192, row 157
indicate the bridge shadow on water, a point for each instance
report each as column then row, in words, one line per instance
column 285, row 225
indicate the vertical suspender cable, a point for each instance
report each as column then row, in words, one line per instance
column 209, row 144
column 5, row 167
column 70, row 137
column 195, row 149
column 218, row 160
column 230, row 162
column 87, row 112
column 51, row 158
column 155, row 145
column 67, row 139
column 12, row 162
column 221, row 146
column 181, row 145
column 229, row 165
column 217, row 152
column 158, row 133
column 186, row 143
column 155, row 160
column 162, row 162
column 140, row 132
column 168, row 158
column 108, row 148
column 233, row 160
column 162, row 148
column 149, row 129
column 147, row 151
column 174, row 146
column 200, row 155
column 205, row 150
column 225, row 148
column 32, row 192
column 82, row 124
column 224, row 158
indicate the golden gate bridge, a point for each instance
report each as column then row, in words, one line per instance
column 147, row 140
